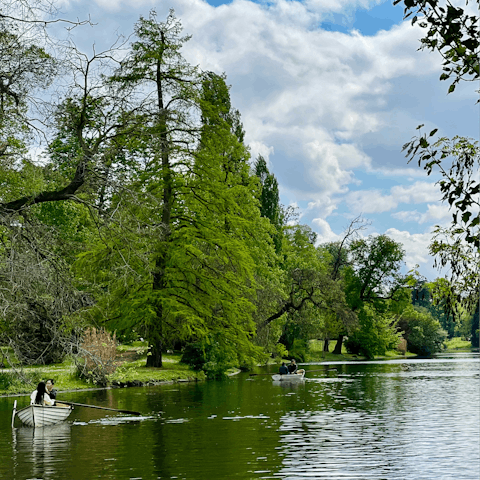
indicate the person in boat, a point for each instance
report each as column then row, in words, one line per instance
column 52, row 392
column 293, row 368
column 40, row 396
column 283, row 370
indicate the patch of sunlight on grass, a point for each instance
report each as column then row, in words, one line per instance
column 457, row 343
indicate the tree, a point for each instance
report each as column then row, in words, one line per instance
column 454, row 33
column 376, row 263
column 374, row 290
column 339, row 252
column 185, row 268
column 310, row 294
column 450, row 31
column 270, row 200
column 38, row 294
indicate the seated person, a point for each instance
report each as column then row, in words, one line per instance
column 40, row 396
column 52, row 392
column 292, row 368
column 283, row 370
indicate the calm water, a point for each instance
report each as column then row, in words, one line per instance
column 416, row 419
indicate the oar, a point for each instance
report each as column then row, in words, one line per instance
column 100, row 408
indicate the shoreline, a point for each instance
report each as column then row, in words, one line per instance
column 151, row 382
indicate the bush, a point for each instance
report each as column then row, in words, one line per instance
column 6, row 380
column 375, row 334
column 211, row 357
column 216, row 354
column 299, row 350
column 423, row 333
column 97, row 355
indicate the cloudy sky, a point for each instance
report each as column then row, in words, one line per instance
column 329, row 91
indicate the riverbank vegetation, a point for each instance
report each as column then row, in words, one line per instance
column 144, row 217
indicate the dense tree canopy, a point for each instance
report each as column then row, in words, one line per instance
column 145, row 214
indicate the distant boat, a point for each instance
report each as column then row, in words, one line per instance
column 41, row 415
column 294, row 377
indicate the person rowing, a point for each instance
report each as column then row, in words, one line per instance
column 293, row 368
column 52, row 392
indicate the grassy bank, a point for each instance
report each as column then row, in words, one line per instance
column 131, row 370
column 316, row 354
column 457, row 344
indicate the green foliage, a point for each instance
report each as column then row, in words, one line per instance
column 270, row 200
column 423, row 333
column 25, row 69
column 299, row 349
column 375, row 335
column 475, row 332
column 375, row 273
column 450, row 31
column 215, row 356
column 458, row 343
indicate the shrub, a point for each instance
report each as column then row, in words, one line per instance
column 374, row 336
column 423, row 333
column 6, row 379
column 97, row 353
column 215, row 355
column 299, row 350
column 211, row 357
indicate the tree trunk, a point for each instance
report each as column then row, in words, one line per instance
column 326, row 344
column 156, row 340
column 154, row 358
column 338, row 347
column 476, row 327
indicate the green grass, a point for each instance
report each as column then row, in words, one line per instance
column 171, row 370
column 458, row 344
column 316, row 353
column 66, row 378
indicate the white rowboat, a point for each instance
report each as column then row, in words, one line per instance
column 41, row 416
column 295, row 377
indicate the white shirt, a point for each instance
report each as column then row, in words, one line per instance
column 46, row 399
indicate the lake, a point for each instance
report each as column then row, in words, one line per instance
column 415, row 419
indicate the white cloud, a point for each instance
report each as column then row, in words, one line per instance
column 328, row 110
column 437, row 213
column 259, row 148
column 370, row 201
column 375, row 201
column 419, row 192
column 415, row 245
column 324, row 232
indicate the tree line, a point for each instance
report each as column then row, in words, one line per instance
column 145, row 214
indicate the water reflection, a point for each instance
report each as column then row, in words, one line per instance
column 383, row 420
column 40, row 447
column 387, row 421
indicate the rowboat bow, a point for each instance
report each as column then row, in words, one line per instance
column 42, row 415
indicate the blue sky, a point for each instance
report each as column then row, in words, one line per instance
column 329, row 91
